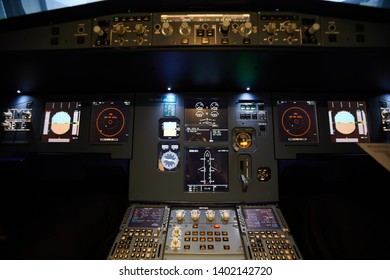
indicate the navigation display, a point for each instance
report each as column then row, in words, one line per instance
column 207, row 170
column 147, row 217
column 61, row 122
column 206, row 120
column 348, row 121
column 110, row 122
column 297, row 121
column 260, row 219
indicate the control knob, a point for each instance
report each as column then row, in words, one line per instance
column 246, row 28
column 6, row 124
column 166, row 29
column 140, row 29
column 176, row 231
column 225, row 27
column 120, row 29
column 195, row 215
column 175, row 243
column 26, row 114
column 185, row 29
column 313, row 29
column 180, row 215
column 99, row 31
column 7, row 114
column 210, row 215
column 290, row 28
column 225, row 214
column 270, row 28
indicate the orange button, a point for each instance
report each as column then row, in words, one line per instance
column 216, row 226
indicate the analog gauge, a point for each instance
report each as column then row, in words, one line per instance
column 199, row 106
column 169, row 160
column 214, row 106
column 244, row 140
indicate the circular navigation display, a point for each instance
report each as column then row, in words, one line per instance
column 110, row 122
column 296, row 121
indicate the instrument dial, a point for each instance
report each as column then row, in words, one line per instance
column 169, row 160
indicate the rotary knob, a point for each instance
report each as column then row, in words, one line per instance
column 210, row 215
column 166, row 29
column 99, row 31
column 7, row 114
column 175, row 243
column 195, row 215
column 246, row 28
column 180, row 215
column 225, row 214
column 225, row 27
column 6, row 124
column 120, row 29
column 26, row 114
column 313, row 29
column 140, row 29
column 176, row 231
column 270, row 28
column 290, row 27
column 185, row 29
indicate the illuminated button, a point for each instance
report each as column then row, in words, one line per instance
column 187, row 247
column 202, row 239
column 216, row 226
column 187, row 232
column 209, row 239
column 225, row 239
column 194, row 233
column 217, row 233
column 226, row 247
column 195, row 225
column 202, row 232
column 205, row 40
column 195, row 239
column 202, row 247
column 218, row 239
column 185, row 41
column 187, row 239
column 209, row 233
column 224, row 233
column 210, row 247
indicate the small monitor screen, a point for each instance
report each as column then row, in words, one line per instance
column 297, row 121
column 169, row 128
column 61, row 122
column 348, row 121
column 207, row 170
column 110, row 122
column 147, row 217
column 260, row 219
column 384, row 107
column 206, row 120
